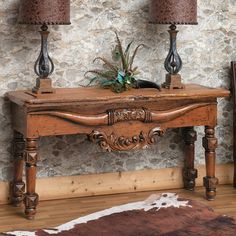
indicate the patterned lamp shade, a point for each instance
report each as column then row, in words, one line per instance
column 173, row 12
column 49, row 12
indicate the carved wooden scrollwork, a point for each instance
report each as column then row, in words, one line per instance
column 120, row 115
column 112, row 142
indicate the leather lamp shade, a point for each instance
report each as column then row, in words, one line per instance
column 173, row 12
column 49, row 12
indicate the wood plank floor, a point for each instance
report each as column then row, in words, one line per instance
column 54, row 213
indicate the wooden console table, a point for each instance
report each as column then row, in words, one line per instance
column 127, row 121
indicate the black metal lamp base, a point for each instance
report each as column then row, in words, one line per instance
column 43, row 66
column 173, row 63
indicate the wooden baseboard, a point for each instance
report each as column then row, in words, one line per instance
column 113, row 183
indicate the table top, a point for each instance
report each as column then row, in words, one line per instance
column 99, row 95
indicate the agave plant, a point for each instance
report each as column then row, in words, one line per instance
column 120, row 74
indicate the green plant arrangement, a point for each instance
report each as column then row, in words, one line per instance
column 119, row 75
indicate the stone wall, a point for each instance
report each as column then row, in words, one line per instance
column 206, row 50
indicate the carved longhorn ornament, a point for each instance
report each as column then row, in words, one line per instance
column 112, row 142
column 111, row 117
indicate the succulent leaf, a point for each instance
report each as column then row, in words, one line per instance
column 120, row 77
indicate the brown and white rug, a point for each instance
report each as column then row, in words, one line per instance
column 159, row 215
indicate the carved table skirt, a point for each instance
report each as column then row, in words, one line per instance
column 120, row 122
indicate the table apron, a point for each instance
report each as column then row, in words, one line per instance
column 129, row 121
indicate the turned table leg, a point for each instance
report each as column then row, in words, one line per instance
column 189, row 172
column 31, row 157
column 17, row 185
column 210, row 144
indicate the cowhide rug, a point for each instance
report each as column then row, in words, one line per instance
column 165, row 214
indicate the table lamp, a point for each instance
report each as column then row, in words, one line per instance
column 173, row 12
column 44, row 13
